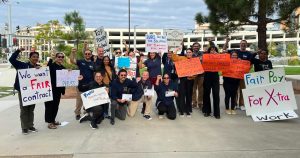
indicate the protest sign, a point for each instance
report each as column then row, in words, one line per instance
column 95, row 97
column 174, row 38
column 127, row 97
column 260, row 78
column 238, row 68
column 269, row 98
column 275, row 116
column 156, row 43
column 216, row 62
column 123, row 62
column 149, row 92
column 188, row 67
column 170, row 94
column 67, row 78
column 35, row 85
column 102, row 40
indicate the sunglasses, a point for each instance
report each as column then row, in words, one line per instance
column 123, row 75
column 60, row 57
column 118, row 52
column 88, row 54
column 166, row 78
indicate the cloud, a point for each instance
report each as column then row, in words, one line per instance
column 108, row 13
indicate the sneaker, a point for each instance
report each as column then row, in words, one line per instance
column 228, row 112
column 32, row 129
column 233, row 112
column 77, row 117
column 161, row 116
column 217, row 117
column 24, row 131
column 148, row 117
column 189, row 115
column 84, row 118
column 243, row 108
column 93, row 125
column 181, row 115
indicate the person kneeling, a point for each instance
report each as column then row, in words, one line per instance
column 166, row 91
column 95, row 113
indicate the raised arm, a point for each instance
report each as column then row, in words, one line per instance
column 73, row 56
column 226, row 44
column 13, row 58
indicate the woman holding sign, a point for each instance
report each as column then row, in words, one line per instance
column 185, row 86
column 153, row 64
column 51, row 107
column 166, row 91
column 27, row 112
column 211, row 82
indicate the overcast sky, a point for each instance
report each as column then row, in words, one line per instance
column 107, row 13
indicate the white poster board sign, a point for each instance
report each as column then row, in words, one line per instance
column 149, row 92
column 35, row 85
column 67, row 78
column 95, row 97
column 156, row 43
column 102, row 40
column 264, row 77
column 127, row 97
column 269, row 98
column 275, row 116
column 174, row 38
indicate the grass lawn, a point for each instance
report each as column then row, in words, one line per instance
column 292, row 70
column 5, row 89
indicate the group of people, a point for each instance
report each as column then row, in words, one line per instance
column 99, row 71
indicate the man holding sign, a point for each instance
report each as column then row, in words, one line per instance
column 27, row 112
column 123, row 90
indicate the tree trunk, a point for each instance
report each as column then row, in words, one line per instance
column 262, row 25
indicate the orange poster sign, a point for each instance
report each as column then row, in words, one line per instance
column 215, row 62
column 237, row 69
column 188, row 67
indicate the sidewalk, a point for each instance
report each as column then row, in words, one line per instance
column 230, row 137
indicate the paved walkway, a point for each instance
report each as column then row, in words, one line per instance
column 230, row 137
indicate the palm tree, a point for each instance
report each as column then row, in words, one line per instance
column 76, row 24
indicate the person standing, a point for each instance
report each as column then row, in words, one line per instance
column 262, row 63
column 243, row 54
column 230, row 86
column 211, row 82
column 51, row 107
column 86, row 67
column 26, row 112
column 153, row 64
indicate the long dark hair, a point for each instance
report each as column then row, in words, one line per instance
column 102, row 63
column 211, row 47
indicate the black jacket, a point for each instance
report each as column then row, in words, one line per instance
column 53, row 67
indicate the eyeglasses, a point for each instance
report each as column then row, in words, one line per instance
column 118, row 52
column 88, row 54
column 60, row 57
column 166, row 78
column 123, row 75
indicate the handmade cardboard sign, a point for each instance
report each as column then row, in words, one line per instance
column 35, row 85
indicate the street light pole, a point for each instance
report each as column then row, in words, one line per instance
column 9, row 42
column 129, row 24
column 135, row 36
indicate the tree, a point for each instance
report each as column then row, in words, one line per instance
column 227, row 16
column 49, row 32
column 273, row 49
column 291, row 49
column 76, row 24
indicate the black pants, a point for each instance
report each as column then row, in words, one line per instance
column 26, row 114
column 185, row 95
column 105, row 109
column 51, row 107
column 230, row 87
column 170, row 110
column 211, row 82
column 96, row 113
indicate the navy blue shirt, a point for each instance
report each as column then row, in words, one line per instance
column 18, row 65
column 86, row 70
column 161, row 93
column 261, row 65
column 153, row 66
column 127, row 87
column 244, row 55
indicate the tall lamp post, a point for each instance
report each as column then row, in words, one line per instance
column 129, row 23
column 135, row 36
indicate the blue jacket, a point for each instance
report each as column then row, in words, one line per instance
column 19, row 65
column 161, row 93
column 127, row 87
